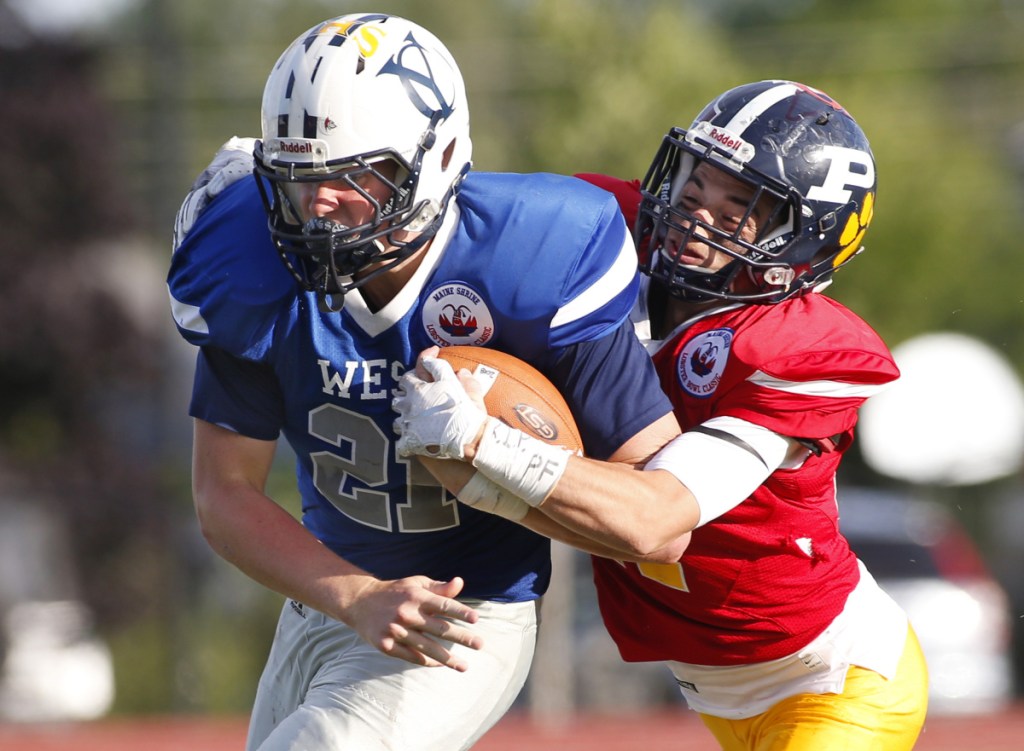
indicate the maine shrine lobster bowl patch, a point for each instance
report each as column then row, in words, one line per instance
column 702, row 362
column 456, row 314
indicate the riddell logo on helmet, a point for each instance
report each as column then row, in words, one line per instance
column 726, row 139
column 289, row 147
column 733, row 147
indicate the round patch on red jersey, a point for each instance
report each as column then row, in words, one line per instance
column 455, row 313
column 702, row 362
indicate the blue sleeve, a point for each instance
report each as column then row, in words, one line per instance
column 603, row 286
column 240, row 395
column 611, row 387
column 228, row 286
column 550, row 257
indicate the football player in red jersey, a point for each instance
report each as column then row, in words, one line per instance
column 776, row 633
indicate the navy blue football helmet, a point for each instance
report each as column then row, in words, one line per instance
column 802, row 154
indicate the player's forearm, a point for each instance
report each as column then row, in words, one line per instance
column 543, row 524
column 647, row 514
column 270, row 546
column 612, row 502
column 251, row 531
column 574, row 526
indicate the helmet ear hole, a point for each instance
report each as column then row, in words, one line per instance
column 828, row 222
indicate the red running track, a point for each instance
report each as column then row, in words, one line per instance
column 665, row 730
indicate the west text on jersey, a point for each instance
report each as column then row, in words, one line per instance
column 376, row 378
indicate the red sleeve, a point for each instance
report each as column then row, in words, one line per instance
column 626, row 192
column 824, row 359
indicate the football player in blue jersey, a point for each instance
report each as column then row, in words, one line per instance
column 309, row 290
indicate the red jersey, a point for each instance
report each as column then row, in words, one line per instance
column 764, row 579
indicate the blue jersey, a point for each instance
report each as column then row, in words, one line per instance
column 539, row 266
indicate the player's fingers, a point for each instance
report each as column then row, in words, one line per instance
column 451, row 610
column 419, row 648
column 450, row 588
column 420, row 657
column 428, row 352
column 434, row 652
column 404, row 395
column 452, row 632
column 446, row 605
column 473, row 387
column 408, row 384
column 438, row 369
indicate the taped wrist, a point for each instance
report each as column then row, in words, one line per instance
column 486, row 495
column 526, row 466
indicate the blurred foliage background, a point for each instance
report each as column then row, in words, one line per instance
column 109, row 119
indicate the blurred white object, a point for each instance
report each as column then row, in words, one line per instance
column 955, row 417
column 921, row 555
column 57, row 17
column 53, row 667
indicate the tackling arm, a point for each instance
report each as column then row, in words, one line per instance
column 646, row 514
column 611, row 503
column 455, row 475
column 643, row 502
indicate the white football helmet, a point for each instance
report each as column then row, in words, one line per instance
column 348, row 94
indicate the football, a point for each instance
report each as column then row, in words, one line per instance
column 518, row 394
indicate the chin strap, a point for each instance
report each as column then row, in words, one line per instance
column 329, row 303
column 331, row 289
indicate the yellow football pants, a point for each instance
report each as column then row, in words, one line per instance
column 872, row 714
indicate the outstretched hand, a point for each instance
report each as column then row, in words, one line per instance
column 415, row 619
